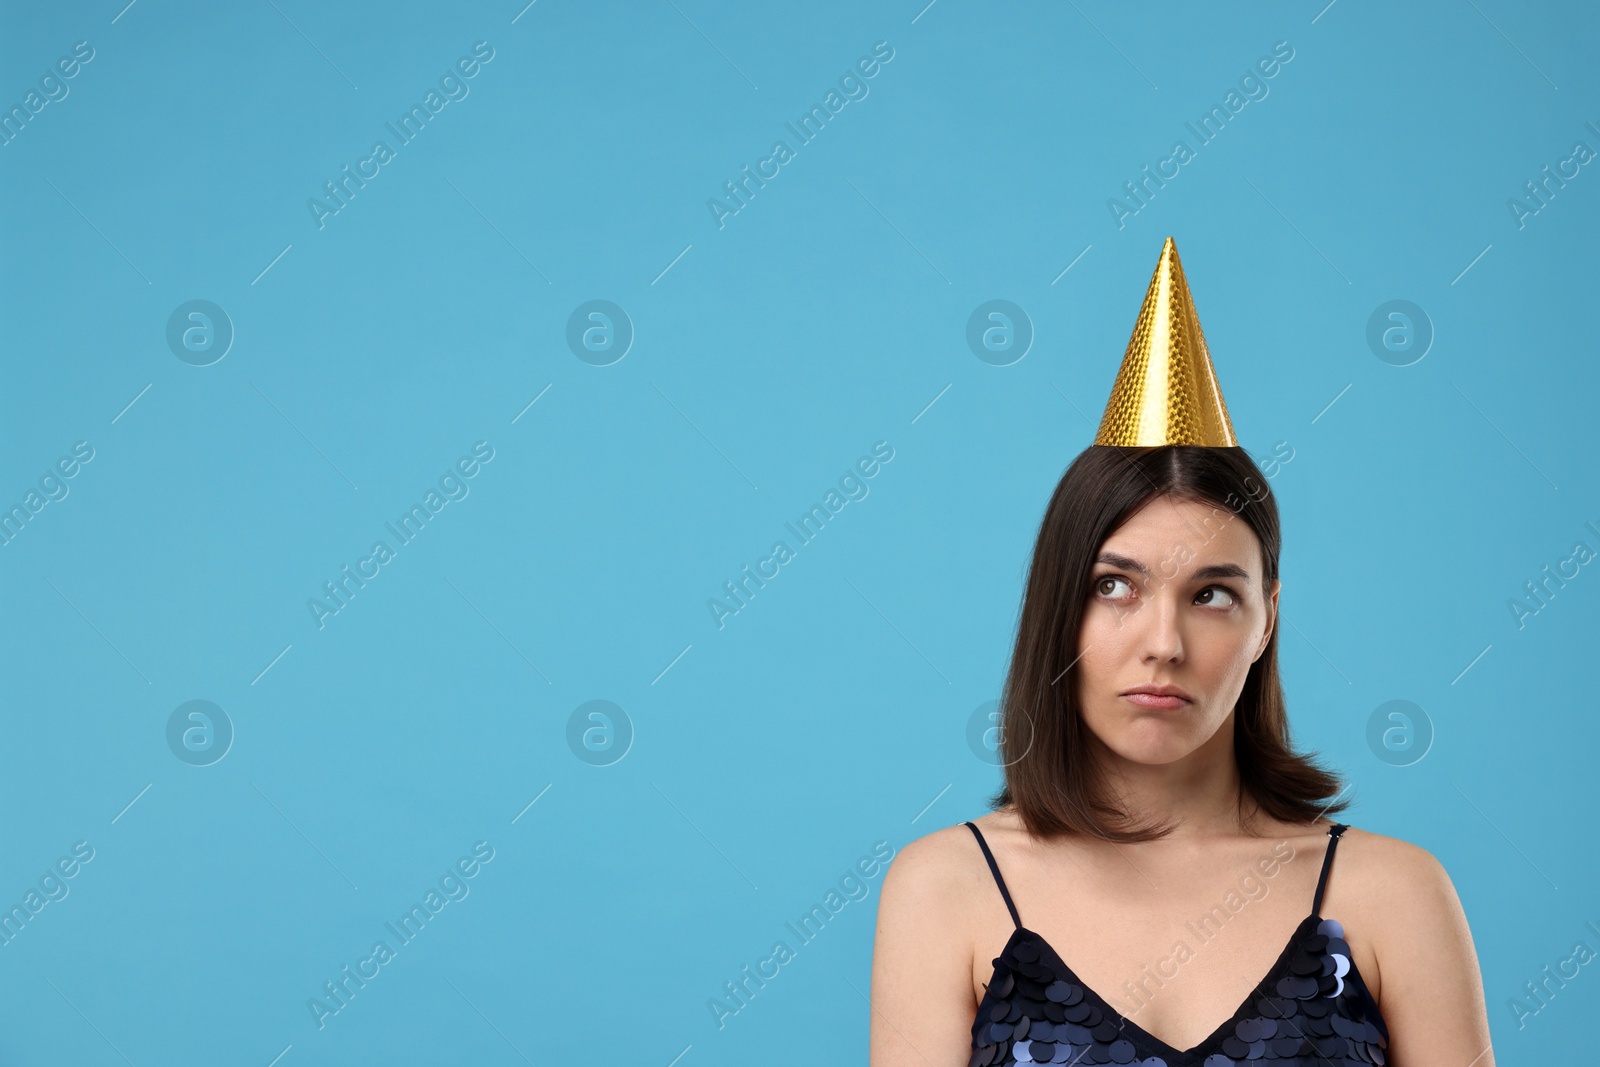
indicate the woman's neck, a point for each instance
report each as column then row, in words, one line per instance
column 1200, row 795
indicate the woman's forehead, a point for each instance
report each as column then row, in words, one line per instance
column 1203, row 533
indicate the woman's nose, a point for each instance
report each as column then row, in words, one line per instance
column 1160, row 630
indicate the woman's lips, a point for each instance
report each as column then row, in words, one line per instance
column 1150, row 700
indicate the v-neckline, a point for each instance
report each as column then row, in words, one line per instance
column 1174, row 1056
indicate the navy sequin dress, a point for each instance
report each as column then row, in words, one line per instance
column 1311, row 1010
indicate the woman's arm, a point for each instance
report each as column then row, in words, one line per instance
column 922, row 1005
column 1431, row 989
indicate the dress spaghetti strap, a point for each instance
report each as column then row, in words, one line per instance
column 1327, row 861
column 1334, row 833
column 995, row 869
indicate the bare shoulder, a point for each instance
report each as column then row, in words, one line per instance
column 1430, row 985
column 1402, row 899
column 941, row 882
column 1383, row 874
column 922, row 952
column 936, row 872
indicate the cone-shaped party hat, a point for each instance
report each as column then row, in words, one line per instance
column 1166, row 391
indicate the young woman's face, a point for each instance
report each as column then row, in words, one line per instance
column 1176, row 598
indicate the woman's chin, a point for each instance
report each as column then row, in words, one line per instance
column 1155, row 744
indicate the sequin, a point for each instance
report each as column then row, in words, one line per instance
column 1296, row 986
column 1311, row 1011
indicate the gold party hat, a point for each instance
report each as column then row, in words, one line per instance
column 1166, row 391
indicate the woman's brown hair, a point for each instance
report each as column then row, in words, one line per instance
column 1049, row 775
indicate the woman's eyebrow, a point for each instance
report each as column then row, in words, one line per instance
column 1111, row 559
column 1215, row 570
column 1223, row 570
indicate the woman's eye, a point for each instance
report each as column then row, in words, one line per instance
column 1106, row 586
column 1216, row 589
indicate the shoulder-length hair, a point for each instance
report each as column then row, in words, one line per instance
column 1049, row 775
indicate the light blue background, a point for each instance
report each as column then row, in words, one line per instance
column 770, row 354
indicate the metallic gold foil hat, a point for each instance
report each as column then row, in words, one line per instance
column 1166, row 391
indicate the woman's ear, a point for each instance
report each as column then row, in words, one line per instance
column 1272, row 617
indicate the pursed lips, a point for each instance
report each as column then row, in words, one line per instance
column 1161, row 698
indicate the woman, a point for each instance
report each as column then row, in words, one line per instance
column 1155, row 828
